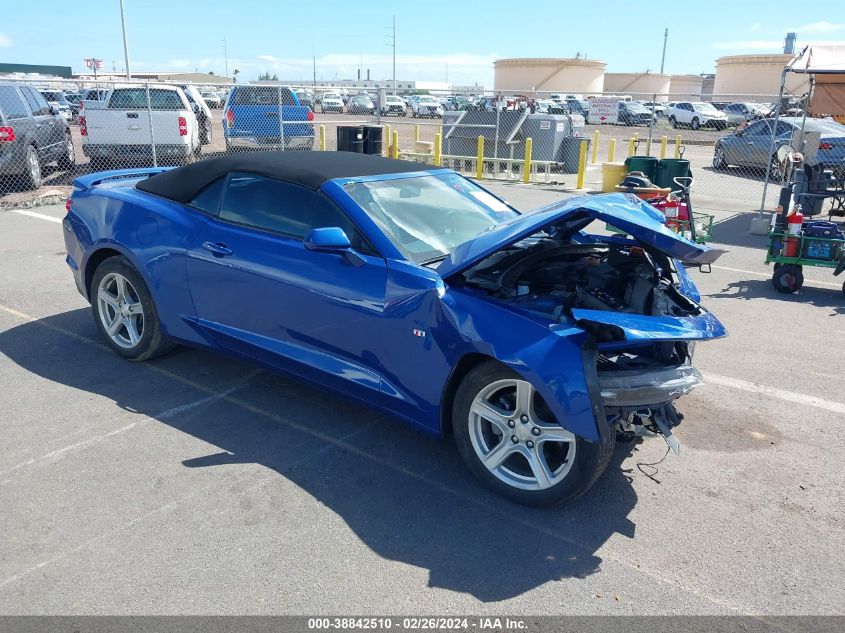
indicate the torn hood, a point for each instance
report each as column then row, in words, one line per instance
column 622, row 211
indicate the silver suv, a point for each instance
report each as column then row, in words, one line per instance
column 32, row 134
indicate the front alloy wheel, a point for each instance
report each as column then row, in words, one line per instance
column 511, row 442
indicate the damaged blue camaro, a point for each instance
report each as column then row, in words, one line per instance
column 529, row 339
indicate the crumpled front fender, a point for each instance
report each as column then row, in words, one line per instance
column 559, row 362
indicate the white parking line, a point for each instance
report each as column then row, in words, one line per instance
column 164, row 415
column 34, row 214
column 782, row 394
column 767, row 276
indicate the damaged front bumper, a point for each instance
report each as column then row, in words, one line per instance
column 636, row 389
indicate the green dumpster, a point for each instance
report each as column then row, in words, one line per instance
column 671, row 168
column 649, row 165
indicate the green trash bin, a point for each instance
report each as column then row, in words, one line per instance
column 649, row 165
column 671, row 168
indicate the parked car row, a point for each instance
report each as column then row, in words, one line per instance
column 33, row 134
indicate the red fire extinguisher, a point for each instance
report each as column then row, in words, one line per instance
column 793, row 228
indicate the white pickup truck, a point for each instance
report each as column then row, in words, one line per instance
column 126, row 125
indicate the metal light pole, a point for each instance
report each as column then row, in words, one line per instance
column 125, row 43
column 394, row 54
column 663, row 57
column 226, row 56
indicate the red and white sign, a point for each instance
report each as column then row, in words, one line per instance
column 603, row 110
column 94, row 63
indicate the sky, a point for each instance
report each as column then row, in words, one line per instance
column 455, row 41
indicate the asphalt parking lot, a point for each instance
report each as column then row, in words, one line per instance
column 193, row 484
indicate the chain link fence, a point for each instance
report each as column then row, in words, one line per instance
column 50, row 132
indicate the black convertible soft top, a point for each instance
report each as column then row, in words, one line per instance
column 310, row 169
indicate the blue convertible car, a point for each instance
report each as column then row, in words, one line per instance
column 531, row 340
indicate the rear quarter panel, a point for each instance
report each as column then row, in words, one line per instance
column 153, row 234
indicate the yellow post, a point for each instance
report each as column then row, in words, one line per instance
column 663, row 140
column 388, row 137
column 582, row 165
column 636, row 136
column 678, row 146
column 479, row 163
column 417, row 133
column 438, row 149
column 631, row 146
column 395, row 153
column 322, row 138
column 611, row 150
column 595, row 155
column 526, row 168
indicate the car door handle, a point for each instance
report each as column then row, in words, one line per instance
column 217, row 249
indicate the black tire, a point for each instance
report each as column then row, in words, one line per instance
column 589, row 462
column 694, row 124
column 67, row 160
column 843, row 287
column 674, row 122
column 152, row 341
column 32, row 168
column 788, row 278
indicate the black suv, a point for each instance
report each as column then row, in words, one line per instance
column 32, row 134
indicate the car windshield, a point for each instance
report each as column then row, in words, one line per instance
column 704, row 107
column 426, row 217
column 637, row 108
column 428, row 100
column 394, row 100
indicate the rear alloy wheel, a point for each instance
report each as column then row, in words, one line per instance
column 67, row 160
column 32, row 174
column 719, row 161
column 788, row 278
column 695, row 124
column 125, row 312
column 511, row 442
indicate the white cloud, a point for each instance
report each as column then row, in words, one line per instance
column 267, row 58
column 5, row 41
column 821, row 26
column 749, row 45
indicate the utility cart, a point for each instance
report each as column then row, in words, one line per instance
column 814, row 244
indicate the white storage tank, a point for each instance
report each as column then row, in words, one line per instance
column 636, row 84
column 549, row 74
column 685, row 86
column 755, row 75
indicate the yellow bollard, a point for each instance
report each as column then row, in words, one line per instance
column 631, row 146
column 479, row 162
column 322, row 138
column 663, row 140
column 678, row 146
column 582, row 165
column 438, row 149
column 395, row 153
column 417, row 133
column 526, row 168
column 636, row 136
column 611, row 150
column 595, row 155
column 387, row 142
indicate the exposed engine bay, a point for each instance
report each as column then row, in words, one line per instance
column 551, row 277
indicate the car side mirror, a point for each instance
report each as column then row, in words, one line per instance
column 739, row 133
column 54, row 110
column 330, row 239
